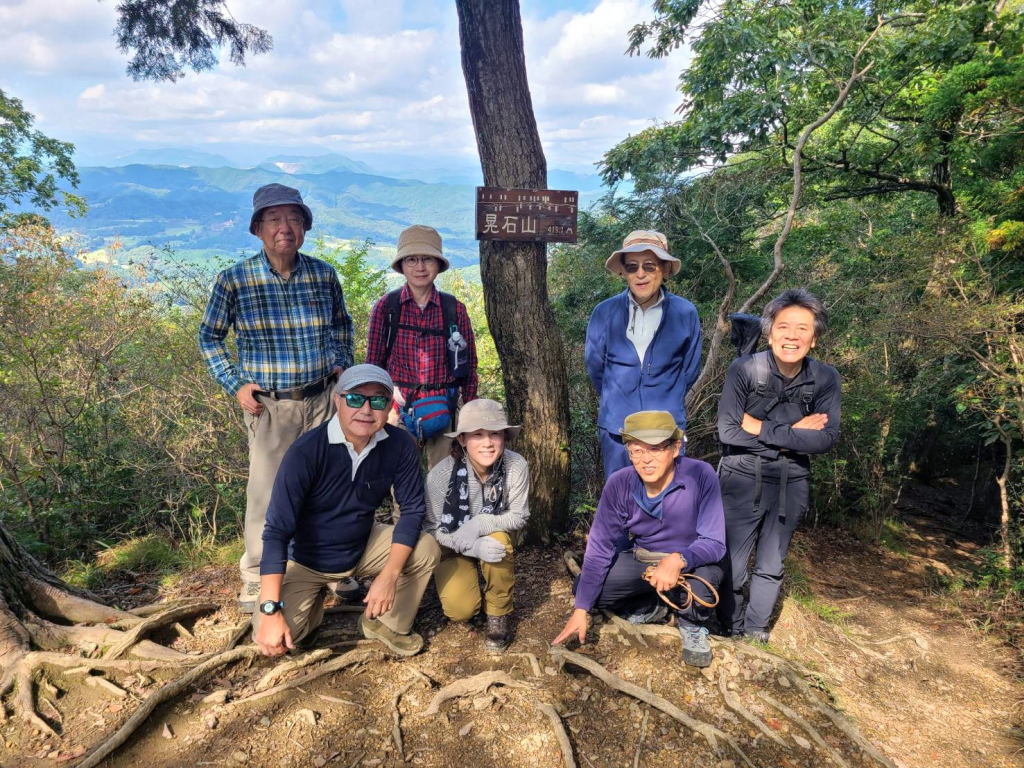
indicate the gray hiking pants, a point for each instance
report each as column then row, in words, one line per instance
column 755, row 520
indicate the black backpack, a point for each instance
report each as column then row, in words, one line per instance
column 456, row 355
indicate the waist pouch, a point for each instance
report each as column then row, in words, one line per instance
column 427, row 417
column 648, row 557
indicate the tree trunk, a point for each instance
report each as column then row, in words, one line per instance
column 515, row 274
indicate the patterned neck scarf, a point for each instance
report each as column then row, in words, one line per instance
column 456, row 501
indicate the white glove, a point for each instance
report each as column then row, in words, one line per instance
column 488, row 550
column 464, row 537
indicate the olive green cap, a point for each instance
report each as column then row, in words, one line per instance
column 651, row 427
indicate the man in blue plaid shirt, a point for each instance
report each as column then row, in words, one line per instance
column 293, row 336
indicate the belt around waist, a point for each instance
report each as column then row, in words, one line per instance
column 298, row 393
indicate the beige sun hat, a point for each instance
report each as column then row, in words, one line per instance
column 639, row 241
column 419, row 240
column 651, row 427
column 483, row 414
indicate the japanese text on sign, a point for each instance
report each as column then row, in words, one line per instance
column 532, row 215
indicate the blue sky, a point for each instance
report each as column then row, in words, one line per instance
column 378, row 81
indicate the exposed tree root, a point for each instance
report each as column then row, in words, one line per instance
column 534, row 663
column 808, row 728
column 51, row 637
column 708, row 731
column 475, row 684
column 357, row 656
column 155, row 622
column 59, row 603
column 571, row 563
column 106, row 685
column 841, row 722
column 396, row 719
column 166, row 693
column 283, row 668
column 560, row 734
column 239, row 632
column 733, row 702
column 643, row 731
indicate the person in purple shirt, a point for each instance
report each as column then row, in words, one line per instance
column 671, row 506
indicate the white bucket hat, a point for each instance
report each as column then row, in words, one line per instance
column 640, row 241
column 419, row 240
column 483, row 414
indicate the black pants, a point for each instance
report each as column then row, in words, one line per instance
column 625, row 590
column 751, row 522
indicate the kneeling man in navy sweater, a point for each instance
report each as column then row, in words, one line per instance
column 320, row 523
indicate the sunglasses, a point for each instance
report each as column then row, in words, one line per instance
column 649, row 267
column 377, row 402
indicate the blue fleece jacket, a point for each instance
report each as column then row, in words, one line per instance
column 691, row 523
column 624, row 383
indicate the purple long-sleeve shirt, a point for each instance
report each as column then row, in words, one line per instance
column 692, row 523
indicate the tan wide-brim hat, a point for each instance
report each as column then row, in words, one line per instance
column 483, row 414
column 419, row 240
column 640, row 241
column 651, row 427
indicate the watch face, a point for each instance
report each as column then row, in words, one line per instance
column 268, row 607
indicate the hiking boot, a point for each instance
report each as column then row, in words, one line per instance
column 696, row 646
column 349, row 592
column 755, row 637
column 403, row 645
column 498, row 635
column 247, row 597
column 647, row 615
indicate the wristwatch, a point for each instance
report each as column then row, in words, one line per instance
column 683, row 559
column 270, row 607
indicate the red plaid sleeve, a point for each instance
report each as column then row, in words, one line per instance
column 466, row 329
column 375, row 339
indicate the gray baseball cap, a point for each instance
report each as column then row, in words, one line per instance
column 270, row 195
column 365, row 373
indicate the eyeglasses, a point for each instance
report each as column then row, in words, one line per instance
column 415, row 261
column 377, row 402
column 650, row 267
column 654, row 451
column 276, row 221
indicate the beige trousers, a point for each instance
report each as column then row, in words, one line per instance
column 270, row 435
column 458, row 585
column 303, row 589
column 437, row 449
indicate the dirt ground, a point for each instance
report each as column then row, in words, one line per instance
column 919, row 682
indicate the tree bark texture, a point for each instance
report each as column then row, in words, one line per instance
column 515, row 274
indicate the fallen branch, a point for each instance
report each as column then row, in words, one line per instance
column 475, row 684
column 733, row 702
column 345, row 660
column 282, row 669
column 166, row 693
column 811, row 731
column 171, row 616
column 560, row 735
column 708, row 731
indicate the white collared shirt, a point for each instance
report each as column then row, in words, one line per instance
column 335, row 435
column 642, row 324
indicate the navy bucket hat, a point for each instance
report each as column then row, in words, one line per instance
column 270, row 195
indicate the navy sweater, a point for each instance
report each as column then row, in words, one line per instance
column 320, row 518
column 626, row 384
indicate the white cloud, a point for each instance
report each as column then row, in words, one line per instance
column 344, row 75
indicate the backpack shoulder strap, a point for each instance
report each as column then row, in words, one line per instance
column 392, row 317
column 810, row 388
column 757, row 404
column 449, row 313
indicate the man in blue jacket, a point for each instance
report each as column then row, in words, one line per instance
column 672, row 506
column 643, row 346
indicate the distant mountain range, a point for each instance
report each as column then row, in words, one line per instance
column 198, row 205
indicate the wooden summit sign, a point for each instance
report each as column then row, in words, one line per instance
column 533, row 215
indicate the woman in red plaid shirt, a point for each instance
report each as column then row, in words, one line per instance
column 422, row 350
